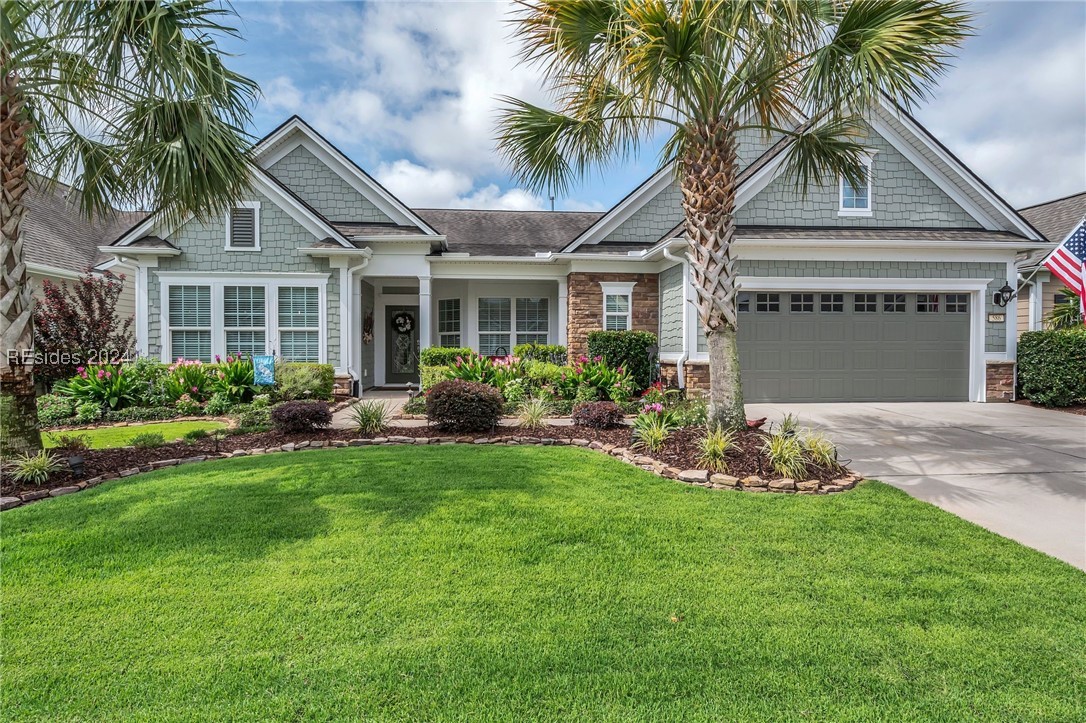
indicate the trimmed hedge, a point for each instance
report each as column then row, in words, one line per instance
column 456, row 405
column 1052, row 366
column 429, row 376
column 443, row 356
column 304, row 380
column 627, row 349
column 552, row 353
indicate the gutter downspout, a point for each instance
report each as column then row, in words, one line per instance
column 680, row 365
column 351, row 271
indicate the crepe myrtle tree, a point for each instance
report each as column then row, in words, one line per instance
column 132, row 102
column 807, row 73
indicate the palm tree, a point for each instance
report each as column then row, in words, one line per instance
column 131, row 101
column 1067, row 314
column 622, row 72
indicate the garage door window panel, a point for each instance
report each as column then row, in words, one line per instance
column 802, row 303
column 832, row 303
column 893, row 303
column 927, row 303
column 865, row 303
column 957, row 303
column 767, row 303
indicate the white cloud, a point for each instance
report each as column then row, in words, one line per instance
column 281, row 94
column 423, row 187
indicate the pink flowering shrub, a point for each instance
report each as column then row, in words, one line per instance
column 188, row 376
column 105, row 385
column 233, row 378
column 495, row 372
column 591, row 379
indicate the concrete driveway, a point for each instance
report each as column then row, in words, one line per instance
column 1016, row 470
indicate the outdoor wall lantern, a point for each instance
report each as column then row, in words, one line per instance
column 1004, row 295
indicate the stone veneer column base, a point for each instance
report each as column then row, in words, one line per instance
column 585, row 306
column 696, row 375
column 999, row 381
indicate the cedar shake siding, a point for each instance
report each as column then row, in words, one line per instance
column 586, row 306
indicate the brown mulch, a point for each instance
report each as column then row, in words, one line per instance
column 1079, row 409
column 680, row 451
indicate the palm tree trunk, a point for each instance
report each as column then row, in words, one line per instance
column 19, row 430
column 709, row 171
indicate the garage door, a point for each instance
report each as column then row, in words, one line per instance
column 852, row 347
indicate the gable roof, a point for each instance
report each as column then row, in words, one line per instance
column 57, row 234
column 507, row 233
column 280, row 141
column 1055, row 219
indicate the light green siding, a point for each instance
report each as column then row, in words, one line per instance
column 325, row 190
column 671, row 309
column 901, row 196
column 202, row 243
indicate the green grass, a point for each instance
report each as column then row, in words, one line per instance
column 459, row 583
column 103, row 437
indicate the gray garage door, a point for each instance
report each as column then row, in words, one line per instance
column 834, row 347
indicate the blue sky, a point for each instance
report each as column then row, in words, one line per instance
column 408, row 90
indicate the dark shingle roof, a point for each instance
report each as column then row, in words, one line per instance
column 1055, row 219
column 507, row 233
column 56, row 233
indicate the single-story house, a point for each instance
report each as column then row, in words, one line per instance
column 1039, row 290
column 882, row 292
column 60, row 244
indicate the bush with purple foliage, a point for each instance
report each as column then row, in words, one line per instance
column 294, row 417
column 461, row 406
column 598, row 415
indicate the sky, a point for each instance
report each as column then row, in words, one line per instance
column 409, row 91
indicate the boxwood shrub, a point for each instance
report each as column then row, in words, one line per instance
column 1052, row 366
column 627, row 349
column 460, row 406
column 304, row 380
column 429, row 376
column 299, row 416
column 443, row 356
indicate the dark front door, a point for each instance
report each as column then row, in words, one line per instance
column 401, row 344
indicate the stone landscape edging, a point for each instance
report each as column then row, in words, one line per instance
column 696, row 477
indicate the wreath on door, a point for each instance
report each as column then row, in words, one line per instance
column 403, row 323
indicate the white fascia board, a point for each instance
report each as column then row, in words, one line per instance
column 851, row 283
column 965, row 175
column 128, row 251
column 47, row 270
column 342, row 166
column 795, row 244
column 791, row 253
column 329, row 252
column 625, row 208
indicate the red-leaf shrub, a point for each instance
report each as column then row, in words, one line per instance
column 460, row 406
column 79, row 326
column 598, row 415
column 294, row 417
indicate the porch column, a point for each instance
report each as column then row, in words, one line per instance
column 563, row 311
column 424, row 312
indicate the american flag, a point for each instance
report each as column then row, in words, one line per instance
column 1068, row 262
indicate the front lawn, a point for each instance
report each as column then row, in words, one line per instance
column 520, row 583
column 106, row 437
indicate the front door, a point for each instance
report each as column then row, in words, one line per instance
column 401, row 344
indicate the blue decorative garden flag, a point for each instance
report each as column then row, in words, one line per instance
column 264, row 371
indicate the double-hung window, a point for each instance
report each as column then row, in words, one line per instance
column 533, row 320
column 448, row 322
column 617, row 305
column 299, row 323
column 189, row 316
column 244, row 320
column 495, row 325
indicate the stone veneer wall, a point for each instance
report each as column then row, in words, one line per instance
column 696, row 376
column 323, row 189
column 585, row 306
column 999, row 381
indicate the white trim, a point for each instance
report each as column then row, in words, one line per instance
column 618, row 288
column 976, row 288
column 857, row 212
column 120, row 252
column 425, row 316
column 218, row 280
column 563, row 312
column 255, row 206
column 338, row 164
column 1010, row 334
column 47, row 270
column 963, row 172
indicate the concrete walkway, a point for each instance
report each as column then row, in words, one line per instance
column 1016, row 470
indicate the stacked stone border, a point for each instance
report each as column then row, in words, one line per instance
column 696, row 477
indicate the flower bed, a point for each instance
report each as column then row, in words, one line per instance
column 677, row 459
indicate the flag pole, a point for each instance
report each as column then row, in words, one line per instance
column 1041, row 265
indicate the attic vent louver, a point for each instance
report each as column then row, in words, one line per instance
column 243, row 227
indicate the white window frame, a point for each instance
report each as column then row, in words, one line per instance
column 507, row 332
column 264, row 328
column 167, row 341
column 517, row 331
column 307, row 329
column 858, row 212
column 618, row 288
column 459, row 333
column 255, row 205
column 218, row 281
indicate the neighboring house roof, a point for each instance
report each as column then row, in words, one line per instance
column 507, row 233
column 57, row 234
column 1055, row 219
